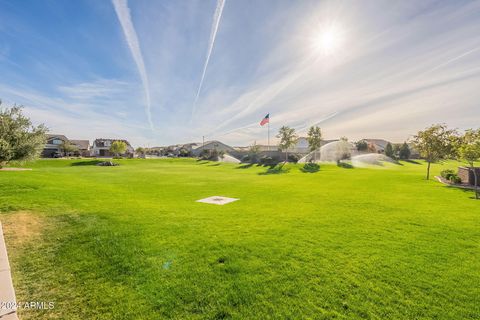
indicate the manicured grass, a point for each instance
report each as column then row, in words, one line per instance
column 130, row 242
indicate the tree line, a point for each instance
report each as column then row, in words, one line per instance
column 434, row 144
column 21, row 140
column 438, row 142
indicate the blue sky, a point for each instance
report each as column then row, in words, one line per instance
column 132, row 69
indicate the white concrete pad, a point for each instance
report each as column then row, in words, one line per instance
column 217, row 200
column 10, row 316
column 7, row 293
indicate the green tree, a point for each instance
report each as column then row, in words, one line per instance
column 183, row 152
column 434, row 144
column 396, row 150
column 389, row 151
column 68, row 148
column 253, row 152
column 314, row 138
column 118, row 147
column 19, row 139
column 221, row 154
column 343, row 150
column 361, row 145
column 404, row 152
column 287, row 138
column 469, row 151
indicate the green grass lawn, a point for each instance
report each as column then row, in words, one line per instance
column 130, row 242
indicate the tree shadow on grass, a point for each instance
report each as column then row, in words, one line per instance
column 245, row 166
column 202, row 161
column 214, row 164
column 469, row 190
column 275, row 170
column 345, row 165
column 412, row 161
column 86, row 163
column 310, row 168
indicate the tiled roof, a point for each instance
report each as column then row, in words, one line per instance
column 111, row 140
column 59, row 136
column 81, row 144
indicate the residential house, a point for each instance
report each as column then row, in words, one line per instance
column 181, row 150
column 83, row 147
column 101, row 148
column 198, row 148
column 154, row 151
column 264, row 147
column 53, row 147
column 377, row 145
column 301, row 146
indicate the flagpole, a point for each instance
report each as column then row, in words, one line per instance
column 268, row 135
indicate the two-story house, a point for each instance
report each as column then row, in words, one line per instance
column 101, row 148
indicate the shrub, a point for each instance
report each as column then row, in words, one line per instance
column 205, row 154
column 107, row 164
column 184, row 153
column 447, row 173
column 212, row 155
column 310, row 167
column 268, row 161
column 246, row 158
column 293, row 158
column 455, row 179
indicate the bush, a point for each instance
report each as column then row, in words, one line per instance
column 246, row 158
column 310, row 167
column 455, row 179
column 107, row 164
column 211, row 155
column 184, row 153
column 292, row 157
column 447, row 173
column 268, row 161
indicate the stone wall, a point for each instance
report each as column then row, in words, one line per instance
column 467, row 176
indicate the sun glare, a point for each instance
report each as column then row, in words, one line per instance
column 328, row 40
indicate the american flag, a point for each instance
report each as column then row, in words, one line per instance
column 265, row 120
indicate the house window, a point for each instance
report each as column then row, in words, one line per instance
column 57, row 141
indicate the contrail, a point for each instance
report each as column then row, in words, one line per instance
column 298, row 128
column 317, row 122
column 213, row 34
column 450, row 61
column 123, row 14
column 237, row 129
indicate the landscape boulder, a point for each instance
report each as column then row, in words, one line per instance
column 107, row 164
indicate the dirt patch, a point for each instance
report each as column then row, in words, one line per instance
column 21, row 227
column 15, row 169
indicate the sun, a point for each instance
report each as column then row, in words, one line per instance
column 328, row 40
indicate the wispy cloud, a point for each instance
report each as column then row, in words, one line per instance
column 449, row 61
column 213, row 35
column 79, row 114
column 123, row 14
column 102, row 88
column 399, row 68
